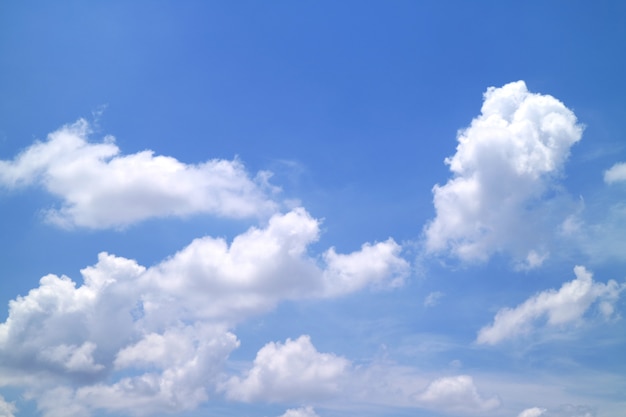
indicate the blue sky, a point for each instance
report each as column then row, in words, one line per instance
column 312, row 209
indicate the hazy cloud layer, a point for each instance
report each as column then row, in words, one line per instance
column 565, row 306
column 101, row 188
column 505, row 168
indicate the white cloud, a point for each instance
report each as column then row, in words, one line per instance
column 433, row 298
column 138, row 340
column 292, row 371
column 562, row 307
column 456, row 394
column 377, row 264
column 210, row 279
column 100, row 188
column 504, row 169
column 300, row 412
column 7, row 409
column 616, row 173
column 532, row 412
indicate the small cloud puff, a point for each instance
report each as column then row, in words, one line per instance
column 532, row 412
column 617, row 173
column 433, row 298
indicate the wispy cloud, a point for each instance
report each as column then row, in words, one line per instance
column 565, row 306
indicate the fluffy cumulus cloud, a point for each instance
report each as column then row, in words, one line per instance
column 293, row 371
column 617, row 173
column 100, row 188
column 135, row 339
column 504, row 189
column 558, row 308
column 300, row 412
column 456, row 394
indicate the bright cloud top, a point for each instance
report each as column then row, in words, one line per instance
column 293, row 371
column 100, row 188
column 506, row 163
column 145, row 340
column 562, row 307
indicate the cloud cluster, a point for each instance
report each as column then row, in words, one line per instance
column 141, row 340
column 155, row 338
column 100, row 188
column 504, row 182
column 558, row 308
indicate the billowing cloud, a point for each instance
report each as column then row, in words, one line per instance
column 135, row 339
column 293, row 371
column 503, row 193
column 300, row 412
column 456, row 394
column 616, row 173
column 101, row 188
column 558, row 308
column 262, row 266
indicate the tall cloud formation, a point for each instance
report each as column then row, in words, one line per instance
column 567, row 305
column 505, row 168
column 143, row 340
column 100, row 188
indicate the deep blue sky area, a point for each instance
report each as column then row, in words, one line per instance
column 402, row 285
